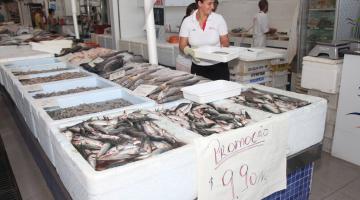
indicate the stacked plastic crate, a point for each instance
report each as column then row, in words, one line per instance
column 280, row 74
column 330, row 117
column 322, row 77
column 250, row 72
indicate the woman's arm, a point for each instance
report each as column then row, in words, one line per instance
column 224, row 41
column 183, row 43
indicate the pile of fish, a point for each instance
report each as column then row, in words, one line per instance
column 87, row 56
column 112, row 62
column 21, row 73
column 269, row 102
column 107, row 143
column 58, row 77
column 206, row 119
column 44, row 36
column 84, row 109
column 60, row 93
column 169, row 82
column 74, row 49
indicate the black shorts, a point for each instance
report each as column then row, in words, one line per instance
column 218, row 71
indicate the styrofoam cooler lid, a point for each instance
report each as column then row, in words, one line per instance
column 212, row 91
column 323, row 60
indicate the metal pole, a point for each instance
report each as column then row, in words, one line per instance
column 76, row 27
column 150, row 31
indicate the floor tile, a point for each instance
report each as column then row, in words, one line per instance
column 340, row 196
column 352, row 189
column 334, row 173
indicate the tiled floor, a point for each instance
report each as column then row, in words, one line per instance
column 333, row 179
column 29, row 179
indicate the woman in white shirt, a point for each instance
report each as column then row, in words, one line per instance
column 261, row 25
column 205, row 28
column 183, row 62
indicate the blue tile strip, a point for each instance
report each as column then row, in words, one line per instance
column 298, row 185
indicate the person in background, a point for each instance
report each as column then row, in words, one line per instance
column 216, row 4
column 183, row 62
column 52, row 22
column 261, row 25
column 2, row 17
column 205, row 28
column 38, row 18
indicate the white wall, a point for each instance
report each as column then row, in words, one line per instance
column 132, row 19
column 239, row 13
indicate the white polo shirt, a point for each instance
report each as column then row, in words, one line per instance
column 210, row 36
column 261, row 26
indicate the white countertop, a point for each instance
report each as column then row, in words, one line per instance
column 13, row 53
column 159, row 42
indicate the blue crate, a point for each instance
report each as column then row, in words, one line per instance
column 298, row 185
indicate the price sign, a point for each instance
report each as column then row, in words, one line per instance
column 96, row 61
column 247, row 163
column 144, row 90
column 117, row 75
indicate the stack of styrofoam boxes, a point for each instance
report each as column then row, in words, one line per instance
column 280, row 73
column 250, row 72
column 330, row 117
column 322, row 77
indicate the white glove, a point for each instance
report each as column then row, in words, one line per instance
column 190, row 52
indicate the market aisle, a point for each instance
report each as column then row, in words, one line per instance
column 335, row 179
column 29, row 179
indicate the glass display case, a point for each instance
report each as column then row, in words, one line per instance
column 320, row 22
column 325, row 21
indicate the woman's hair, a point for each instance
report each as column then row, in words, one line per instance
column 191, row 7
column 263, row 4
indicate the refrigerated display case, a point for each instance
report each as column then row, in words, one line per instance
column 325, row 21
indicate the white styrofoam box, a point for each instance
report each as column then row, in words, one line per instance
column 58, row 86
column 57, row 65
column 53, row 46
column 31, row 76
column 31, row 62
column 331, row 116
column 124, row 45
column 327, row 144
column 331, row 98
column 44, row 121
column 218, row 54
column 329, row 130
column 166, row 56
column 280, row 79
column 250, row 52
column 250, row 76
column 211, row 91
column 243, row 67
column 16, row 53
column 170, row 175
column 306, row 124
column 321, row 74
column 136, row 48
column 258, row 80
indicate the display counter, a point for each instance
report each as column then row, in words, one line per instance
column 172, row 174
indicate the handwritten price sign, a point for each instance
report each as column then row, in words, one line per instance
column 247, row 163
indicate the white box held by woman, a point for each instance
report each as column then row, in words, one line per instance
column 212, row 91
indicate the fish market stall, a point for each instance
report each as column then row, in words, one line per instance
column 117, row 139
column 13, row 53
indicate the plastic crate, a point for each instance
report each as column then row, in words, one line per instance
column 242, row 67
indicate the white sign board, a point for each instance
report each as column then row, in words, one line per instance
column 347, row 128
column 247, row 163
